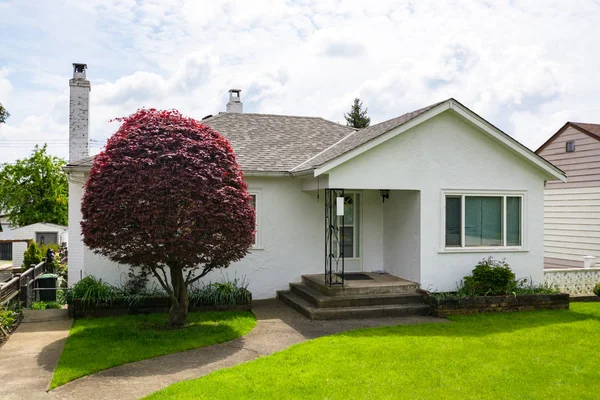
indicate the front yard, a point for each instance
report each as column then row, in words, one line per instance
column 96, row 344
column 527, row 355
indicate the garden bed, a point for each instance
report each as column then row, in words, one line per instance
column 447, row 306
column 147, row 305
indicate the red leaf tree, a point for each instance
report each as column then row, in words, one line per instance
column 167, row 194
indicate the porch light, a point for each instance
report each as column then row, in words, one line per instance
column 385, row 194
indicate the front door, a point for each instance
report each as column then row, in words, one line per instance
column 350, row 242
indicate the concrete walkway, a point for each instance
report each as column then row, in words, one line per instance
column 29, row 357
column 278, row 328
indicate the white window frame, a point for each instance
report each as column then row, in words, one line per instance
column 357, row 233
column 258, row 243
column 483, row 193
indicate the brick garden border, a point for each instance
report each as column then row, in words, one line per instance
column 149, row 305
column 492, row 304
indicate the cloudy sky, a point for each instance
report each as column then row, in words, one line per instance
column 526, row 66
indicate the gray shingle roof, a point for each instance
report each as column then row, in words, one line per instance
column 269, row 143
column 264, row 142
column 360, row 137
column 282, row 143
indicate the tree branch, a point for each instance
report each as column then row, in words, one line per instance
column 161, row 281
column 203, row 274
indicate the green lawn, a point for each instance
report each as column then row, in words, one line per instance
column 99, row 343
column 528, row 355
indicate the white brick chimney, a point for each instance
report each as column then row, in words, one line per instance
column 235, row 102
column 79, row 114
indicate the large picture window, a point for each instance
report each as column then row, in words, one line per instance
column 483, row 220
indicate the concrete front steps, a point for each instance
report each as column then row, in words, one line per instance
column 382, row 296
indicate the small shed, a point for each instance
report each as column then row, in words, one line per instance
column 42, row 233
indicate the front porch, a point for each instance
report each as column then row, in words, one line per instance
column 363, row 295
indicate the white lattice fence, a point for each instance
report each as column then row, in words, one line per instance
column 573, row 281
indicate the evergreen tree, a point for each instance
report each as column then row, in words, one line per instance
column 357, row 117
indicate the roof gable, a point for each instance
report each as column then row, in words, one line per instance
column 423, row 115
column 592, row 130
column 359, row 138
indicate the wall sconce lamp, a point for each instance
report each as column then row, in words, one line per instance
column 385, row 194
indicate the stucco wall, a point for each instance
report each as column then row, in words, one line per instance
column 401, row 240
column 76, row 247
column 292, row 236
column 448, row 153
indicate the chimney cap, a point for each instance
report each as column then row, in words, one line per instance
column 79, row 67
column 235, row 90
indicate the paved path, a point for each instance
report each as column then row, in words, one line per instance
column 278, row 328
column 29, row 357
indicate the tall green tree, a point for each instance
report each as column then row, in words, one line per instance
column 357, row 117
column 34, row 189
column 4, row 114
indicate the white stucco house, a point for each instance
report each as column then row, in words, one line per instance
column 425, row 196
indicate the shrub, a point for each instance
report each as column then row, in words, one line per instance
column 221, row 293
column 92, row 291
column 8, row 318
column 32, row 255
column 45, row 305
column 136, row 283
column 597, row 289
column 490, row 277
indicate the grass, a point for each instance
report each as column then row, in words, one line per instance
column 96, row 344
column 527, row 355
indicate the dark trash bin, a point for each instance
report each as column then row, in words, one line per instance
column 47, row 281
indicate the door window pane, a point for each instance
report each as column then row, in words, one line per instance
column 348, row 210
column 513, row 221
column 453, row 221
column 483, row 221
column 347, row 242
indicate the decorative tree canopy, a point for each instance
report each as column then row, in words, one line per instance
column 167, row 193
column 357, row 117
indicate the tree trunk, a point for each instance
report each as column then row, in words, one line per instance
column 179, row 300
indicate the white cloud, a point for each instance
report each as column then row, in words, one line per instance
column 525, row 68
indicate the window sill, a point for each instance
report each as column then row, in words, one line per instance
column 257, row 248
column 483, row 250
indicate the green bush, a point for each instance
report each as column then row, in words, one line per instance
column 8, row 318
column 597, row 289
column 45, row 305
column 92, row 291
column 32, row 255
column 490, row 277
column 221, row 293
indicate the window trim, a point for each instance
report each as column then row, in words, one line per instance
column 258, row 243
column 483, row 193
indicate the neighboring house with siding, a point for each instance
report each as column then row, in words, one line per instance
column 572, row 209
column 423, row 196
column 42, row 233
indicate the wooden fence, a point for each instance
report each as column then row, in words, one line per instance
column 22, row 285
